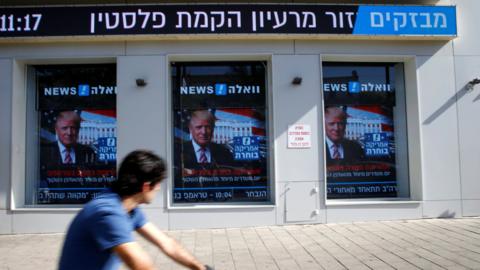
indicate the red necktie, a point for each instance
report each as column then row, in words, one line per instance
column 68, row 157
column 203, row 156
column 336, row 153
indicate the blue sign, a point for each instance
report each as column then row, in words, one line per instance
column 107, row 149
column 246, row 148
column 376, row 144
column 84, row 90
column 220, row 89
column 353, row 87
column 406, row 20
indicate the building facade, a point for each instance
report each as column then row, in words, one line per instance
column 312, row 112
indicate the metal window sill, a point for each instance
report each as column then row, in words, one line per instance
column 353, row 202
column 217, row 206
column 46, row 209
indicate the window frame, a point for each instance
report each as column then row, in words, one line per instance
column 22, row 127
column 412, row 123
column 269, row 127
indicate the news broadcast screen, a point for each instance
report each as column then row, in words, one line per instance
column 220, row 132
column 77, row 132
column 360, row 143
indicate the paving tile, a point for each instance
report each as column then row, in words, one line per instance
column 422, row 263
column 456, row 267
column 266, row 265
column 287, row 264
column 452, row 244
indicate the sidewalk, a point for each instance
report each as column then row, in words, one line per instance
column 413, row 244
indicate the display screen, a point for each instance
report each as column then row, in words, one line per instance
column 360, row 143
column 220, row 132
column 76, row 107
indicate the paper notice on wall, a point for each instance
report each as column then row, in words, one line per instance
column 299, row 136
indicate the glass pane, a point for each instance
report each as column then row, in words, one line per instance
column 220, row 132
column 76, row 109
column 360, row 103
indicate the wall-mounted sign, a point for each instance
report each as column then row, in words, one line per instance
column 299, row 136
column 353, row 20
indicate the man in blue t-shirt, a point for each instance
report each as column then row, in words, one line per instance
column 100, row 236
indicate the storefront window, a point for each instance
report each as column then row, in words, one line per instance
column 220, row 146
column 75, row 110
column 365, row 130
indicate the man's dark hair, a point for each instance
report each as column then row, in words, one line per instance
column 138, row 167
column 69, row 115
column 204, row 114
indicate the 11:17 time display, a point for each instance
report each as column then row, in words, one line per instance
column 11, row 23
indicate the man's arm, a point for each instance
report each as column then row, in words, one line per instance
column 169, row 246
column 134, row 256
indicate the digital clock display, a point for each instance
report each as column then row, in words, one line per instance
column 27, row 23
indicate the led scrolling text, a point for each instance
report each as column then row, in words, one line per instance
column 235, row 20
column 211, row 20
column 214, row 20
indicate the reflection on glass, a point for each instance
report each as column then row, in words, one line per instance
column 360, row 143
column 77, row 133
column 220, row 138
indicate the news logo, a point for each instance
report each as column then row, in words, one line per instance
column 107, row 149
column 353, row 87
column 220, row 89
column 377, row 144
column 84, row 90
column 246, row 148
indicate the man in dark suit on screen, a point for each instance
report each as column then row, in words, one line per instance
column 338, row 148
column 66, row 150
column 201, row 151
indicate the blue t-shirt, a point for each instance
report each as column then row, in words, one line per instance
column 101, row 225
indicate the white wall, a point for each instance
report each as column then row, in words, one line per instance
column 448, row 147
column 5, row 122
column 5, row 142
column 467, row 67
column 438, row 114
column 297, row 171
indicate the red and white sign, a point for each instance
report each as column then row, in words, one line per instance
column 299, row 136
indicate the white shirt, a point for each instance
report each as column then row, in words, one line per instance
column 63, row 152
column 330, row 145
column 197, row 148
